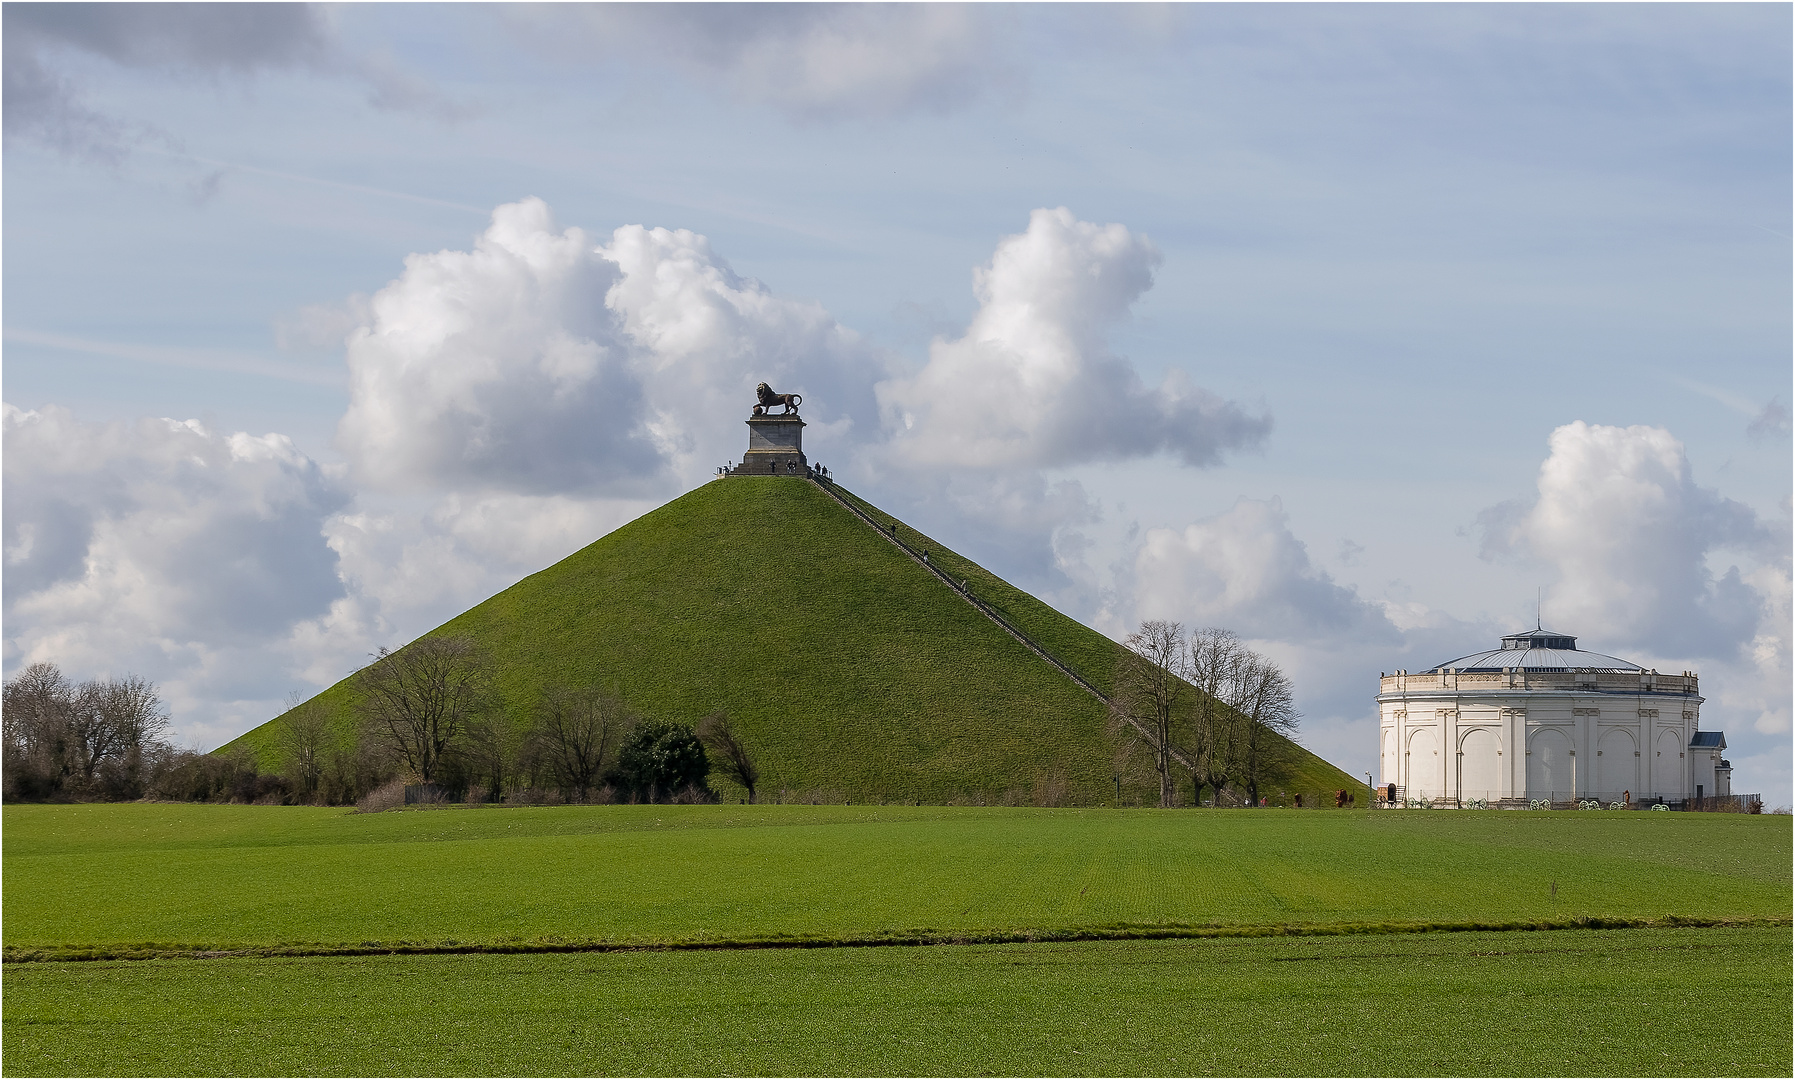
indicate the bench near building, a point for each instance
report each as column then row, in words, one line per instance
column 1540, row 719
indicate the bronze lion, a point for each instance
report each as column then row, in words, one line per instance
column 768, row 399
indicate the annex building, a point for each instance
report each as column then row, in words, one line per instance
column 1541, row 719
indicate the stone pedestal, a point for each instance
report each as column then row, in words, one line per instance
column 775, row 447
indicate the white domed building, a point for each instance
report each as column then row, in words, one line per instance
column 1541, row 719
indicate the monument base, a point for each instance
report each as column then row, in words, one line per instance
column 775, row 448
column 771, row 463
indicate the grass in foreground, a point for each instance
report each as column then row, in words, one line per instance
column 1560, row 1003
column 230, row 876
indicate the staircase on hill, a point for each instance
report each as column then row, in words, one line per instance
column 921, row 559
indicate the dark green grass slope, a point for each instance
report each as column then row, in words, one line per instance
column 852, row 672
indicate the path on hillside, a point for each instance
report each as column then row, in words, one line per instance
column 985, row 609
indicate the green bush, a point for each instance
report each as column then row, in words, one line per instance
column 662, row 761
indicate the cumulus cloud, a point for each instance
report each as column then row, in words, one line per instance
column 499, row 367
column 1245, row 569
column 1032, row 384
column 703, row 336
column 543, row 362
column 810, row 61
column 159, row 546
column 508, row 405
column 1630, row 533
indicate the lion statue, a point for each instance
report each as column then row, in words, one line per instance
column 768, row 399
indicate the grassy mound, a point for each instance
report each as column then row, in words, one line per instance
column 852, row 673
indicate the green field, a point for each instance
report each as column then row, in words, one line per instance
column 1603, row 1003
column 228, row 876
column 614, row 939
column 851, row 671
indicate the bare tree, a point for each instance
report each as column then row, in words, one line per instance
column 1215, row 665
column 305, row 738
column 496, row 749
column 36, row 722
column 94, row 739
column 356, row 763
column 114, row 724
column 1149, row 689
column 729, row 756
column 420, row 699
column 578, row 732
column 1267, row 707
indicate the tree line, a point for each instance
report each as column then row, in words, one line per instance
column 1206, row 706
column 429, row 725
column 101, row 739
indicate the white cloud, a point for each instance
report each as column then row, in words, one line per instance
column 543, row 363
column 508, row 405
column 161, row 529
column 1244, row 569
column 1031, row 383
column 1630, row 533
column 500, row 368
column 702, row 336
column 164, row 549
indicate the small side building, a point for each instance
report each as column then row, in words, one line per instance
column 1539, row 718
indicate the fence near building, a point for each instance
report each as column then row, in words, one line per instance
column 1559, row 800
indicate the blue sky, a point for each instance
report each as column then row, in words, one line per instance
column 1361, row 323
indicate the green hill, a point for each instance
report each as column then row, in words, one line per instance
column 851, row 671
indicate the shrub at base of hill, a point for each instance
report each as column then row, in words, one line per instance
column 662, row 761
column 234, row 778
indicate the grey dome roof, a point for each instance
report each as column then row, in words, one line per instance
column 1537, row 650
